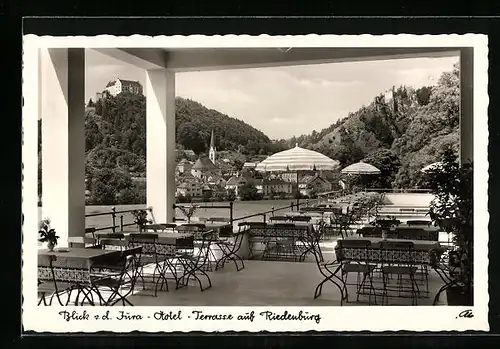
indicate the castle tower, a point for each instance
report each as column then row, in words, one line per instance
column 212, row 150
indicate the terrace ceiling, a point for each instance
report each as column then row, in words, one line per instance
column 201, row 59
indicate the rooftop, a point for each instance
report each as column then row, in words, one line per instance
column 125, row 82
column 204, row 164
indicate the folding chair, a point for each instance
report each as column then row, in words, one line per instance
column 194, row 264
column 124, row 277
column 398, row 259
column 358, row 263
column 150, row 257
column 48, row 286
column 198, row 229
column 325, row 269
column 258, row 233
column 230, row 244
column 281, row 243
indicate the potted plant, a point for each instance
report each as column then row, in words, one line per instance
column 141, row 218
column 47, row 234
column 452, row 210
column 188, row 211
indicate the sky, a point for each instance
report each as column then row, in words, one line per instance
column 285, row 101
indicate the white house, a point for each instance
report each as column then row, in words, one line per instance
column 118, row 86
column 193, row 189
column 314, row 184
column 235, row 183
column 276, row 186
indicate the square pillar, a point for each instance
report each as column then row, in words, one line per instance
column 160, row 143
column 63, row 140
column 466, row 104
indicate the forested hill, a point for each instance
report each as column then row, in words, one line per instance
column 400, row 132
column 195, row 123
column 121, row 121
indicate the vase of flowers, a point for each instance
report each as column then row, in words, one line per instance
column 141, row 218
column 47, row 234
column 188, row 211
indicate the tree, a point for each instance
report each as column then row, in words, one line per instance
column 388, row 163
column 108, row 185
column 423, row 95
column 207, row 195
column 249, row 192
column 190, row 138
column 231, row 195
column 90, row 103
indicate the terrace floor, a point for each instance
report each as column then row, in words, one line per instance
column 269, row 283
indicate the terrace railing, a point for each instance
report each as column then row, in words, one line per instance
column 397, row 190
column 229, row 207
column 117, row 218
column 272, row 211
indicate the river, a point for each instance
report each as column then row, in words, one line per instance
column 240, row 209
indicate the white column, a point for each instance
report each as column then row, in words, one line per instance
column 466, row 104
column 63, row 140
column 160, row 143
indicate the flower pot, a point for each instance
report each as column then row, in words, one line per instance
column 458, row 296
column 50, row 246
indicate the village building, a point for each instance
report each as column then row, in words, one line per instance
column 310, row 185
column 191, row 188
column 249, row 165
column 206, row 166
column 184, row 166
column 276, row 187
column 215, row 179
column 235, row 183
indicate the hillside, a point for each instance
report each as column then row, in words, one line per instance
column 195, row 123
column 401, row 132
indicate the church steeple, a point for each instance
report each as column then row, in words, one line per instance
column 212, row 150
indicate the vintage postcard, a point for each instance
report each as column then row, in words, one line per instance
column 255, row 183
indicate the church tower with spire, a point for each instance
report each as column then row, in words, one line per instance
column 212, row 150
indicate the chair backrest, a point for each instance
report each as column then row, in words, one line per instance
column 336, row 210
column 185, row 228
column 185, row 243
column 256, row 224
column 387, row 222
column 226, row 231
column 300, row 218
column 278, row 218
column 218, row 219
column 143, row 238
column 284, row 225
column 309, row 209
column 154, row 227
column 419, row 222
column 371, row 232
column 397, row 245
column 200, row 226
column 354, row 243
column 105, row 243
column 411, row 234
column 111, row 236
